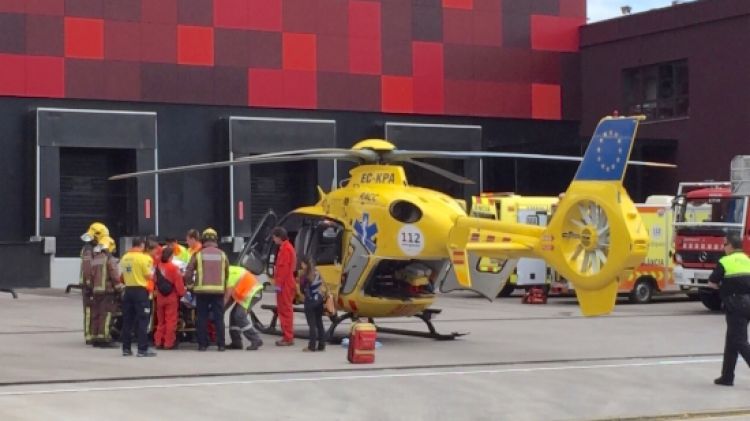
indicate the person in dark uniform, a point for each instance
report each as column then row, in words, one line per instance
column 732, row 277
column 211, row 269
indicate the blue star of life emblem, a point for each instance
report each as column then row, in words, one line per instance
column 366, row 232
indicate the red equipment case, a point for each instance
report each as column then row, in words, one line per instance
column 362, row 343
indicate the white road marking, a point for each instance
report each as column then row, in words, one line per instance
column 359, row 377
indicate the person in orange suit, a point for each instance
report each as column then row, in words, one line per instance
column 169, row 288
column 286, row 286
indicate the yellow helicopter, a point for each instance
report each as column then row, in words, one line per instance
column 385, row 247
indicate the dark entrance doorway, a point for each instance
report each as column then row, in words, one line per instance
column 282, row 187
column 86, row 196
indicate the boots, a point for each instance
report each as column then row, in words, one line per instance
column 255, row 341
column 255, row 345
column 724, row 381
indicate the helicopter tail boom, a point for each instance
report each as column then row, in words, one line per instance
column 594, row 235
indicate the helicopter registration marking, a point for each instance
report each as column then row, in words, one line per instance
column 378, row 178
column 410, row 240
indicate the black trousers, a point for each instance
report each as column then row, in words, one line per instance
column 136, row 312
column 736, row 343
column 314, row 316
column 213, row 304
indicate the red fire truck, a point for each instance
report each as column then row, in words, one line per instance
column 704, row 214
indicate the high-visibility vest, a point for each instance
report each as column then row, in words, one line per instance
column 181, row 253
column 736, row 265
column 245, row 285
column 211, row 264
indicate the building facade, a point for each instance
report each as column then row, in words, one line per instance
column 684, row 67
column 92, row 88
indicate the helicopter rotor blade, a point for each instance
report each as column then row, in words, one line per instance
column 437, row 170
column 342, row 154
column 402, row 155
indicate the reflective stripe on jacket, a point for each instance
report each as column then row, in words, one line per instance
column 211, row 269
column 104, row 274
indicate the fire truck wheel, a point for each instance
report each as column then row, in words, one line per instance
column 507, row 290
column 710, row 298
column 642, row 292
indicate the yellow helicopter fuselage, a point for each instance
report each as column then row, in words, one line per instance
column 376, row 208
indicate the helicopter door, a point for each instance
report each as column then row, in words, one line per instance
column 255, row 255
column 326, row 249
column 355, row 264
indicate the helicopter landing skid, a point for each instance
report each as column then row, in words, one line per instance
column 426, row 317
column 270, row 328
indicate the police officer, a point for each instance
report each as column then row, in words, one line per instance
column 137, row 270
column 104, row 285
column 90, row 238
column 732, row 278
column 211, row 269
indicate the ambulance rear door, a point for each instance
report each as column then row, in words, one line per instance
column 531, row 271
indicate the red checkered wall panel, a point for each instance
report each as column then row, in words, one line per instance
column 460, row 57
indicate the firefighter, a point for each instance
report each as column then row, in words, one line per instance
column 286, row 286
column 90, row 238
column 732, row 277
column 137, row 270
column 243, row 289
column 105, row 285
column 211, row 269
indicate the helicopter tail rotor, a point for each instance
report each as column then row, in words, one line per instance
column 596, row 232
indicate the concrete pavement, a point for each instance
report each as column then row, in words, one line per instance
column 520, row 362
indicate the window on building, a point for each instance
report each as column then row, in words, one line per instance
column 659, row 91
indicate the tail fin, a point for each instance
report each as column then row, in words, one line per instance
column 596, row 232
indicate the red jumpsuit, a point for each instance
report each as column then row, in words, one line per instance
column 168, row 306
column 283, row 273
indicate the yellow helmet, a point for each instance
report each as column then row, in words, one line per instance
column 107, row 243
column 209, row 234
column 96, row 232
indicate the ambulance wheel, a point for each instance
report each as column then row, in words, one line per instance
column 642, row 292
column 507, row 290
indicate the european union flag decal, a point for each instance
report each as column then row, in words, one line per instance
column 609, row 150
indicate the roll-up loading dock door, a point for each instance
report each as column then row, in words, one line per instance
column 76, row 150
column 86, row 195
column 444, row 137
column 279, row 186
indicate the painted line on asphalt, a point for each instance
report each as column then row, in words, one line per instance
column 360, row 377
